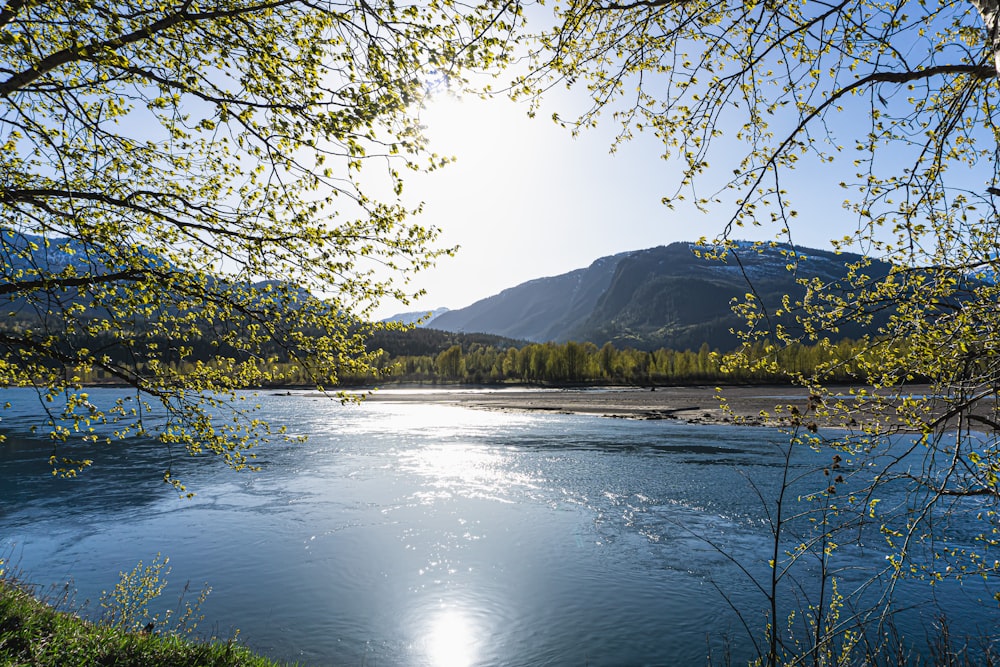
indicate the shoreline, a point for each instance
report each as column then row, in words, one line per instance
column 698, row 404
column 746, row 405
column 772, row 405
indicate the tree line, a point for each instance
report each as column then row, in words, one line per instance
column 573, row 363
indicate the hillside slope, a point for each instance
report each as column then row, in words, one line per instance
column 659, row 297
column 538, row 310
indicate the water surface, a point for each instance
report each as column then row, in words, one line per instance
column 422, row 534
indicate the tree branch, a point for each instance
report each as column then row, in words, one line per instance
column 131, row 275
column 977, row 71
column 77, row 53
column 10, row 10
column 649, row 4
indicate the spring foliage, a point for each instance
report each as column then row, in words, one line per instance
column 191, row 171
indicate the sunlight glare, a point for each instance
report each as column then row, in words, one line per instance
column 451, row 640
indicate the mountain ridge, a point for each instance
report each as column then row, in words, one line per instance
column 666, row 296
column 539, row 309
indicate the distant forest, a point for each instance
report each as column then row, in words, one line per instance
column 585, row 363
column 428, row 356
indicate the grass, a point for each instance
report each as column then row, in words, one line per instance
column 36, row 634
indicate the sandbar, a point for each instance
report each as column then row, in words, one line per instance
column 693, row 404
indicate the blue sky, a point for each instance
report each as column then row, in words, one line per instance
column 526, row 199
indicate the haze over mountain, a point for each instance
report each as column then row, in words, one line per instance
column 415, row 317
column 659, row 297
column 538, row 310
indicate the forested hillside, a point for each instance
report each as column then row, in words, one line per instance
column 538, row 310
column 664, row 297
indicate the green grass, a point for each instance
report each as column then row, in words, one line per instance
column 33, row 633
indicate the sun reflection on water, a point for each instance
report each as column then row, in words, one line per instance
column 457, row 456
column 451, row 640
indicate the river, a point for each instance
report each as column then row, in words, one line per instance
column 424, row 534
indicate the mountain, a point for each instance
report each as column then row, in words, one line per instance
column 413, row 317
column 30, row 258
column 538, row 310
column 659, row 297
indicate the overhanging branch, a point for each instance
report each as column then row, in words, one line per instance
column 24, row 286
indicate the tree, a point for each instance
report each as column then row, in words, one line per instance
column 450, row 364
column 182, row 181
column 897, row 102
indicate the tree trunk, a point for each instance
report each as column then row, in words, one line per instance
column 990, row 11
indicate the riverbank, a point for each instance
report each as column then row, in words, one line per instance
column 35, row 633
column 749, row 405
column 693, row 404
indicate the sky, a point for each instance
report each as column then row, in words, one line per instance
column 525, row 199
